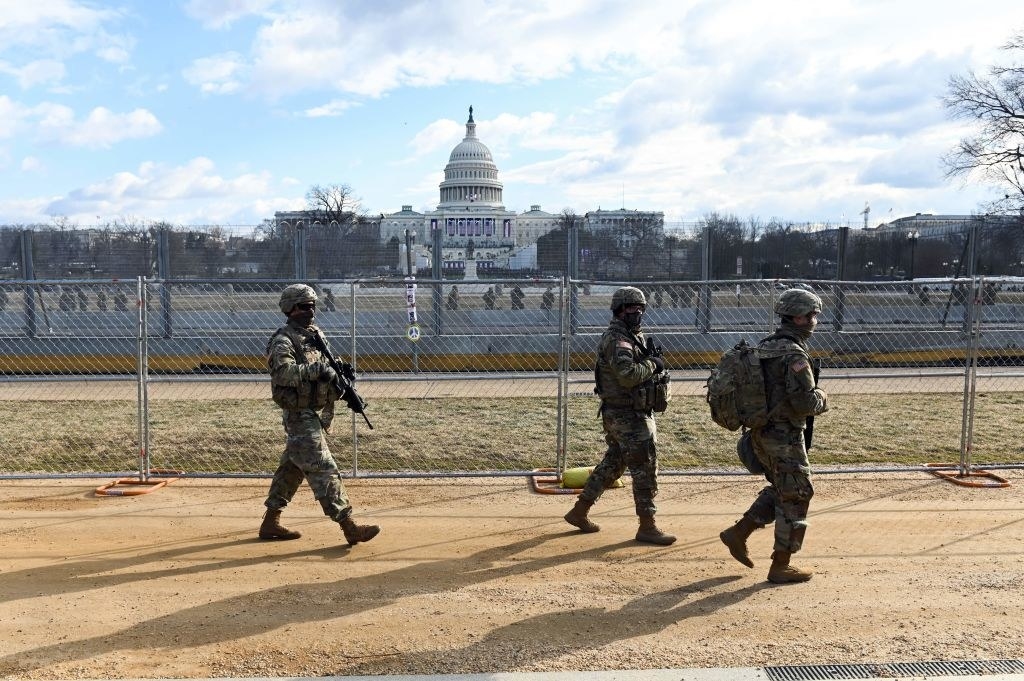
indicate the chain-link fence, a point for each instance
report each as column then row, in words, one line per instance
column 485, row 377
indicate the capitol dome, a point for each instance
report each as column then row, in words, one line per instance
column 470, row 178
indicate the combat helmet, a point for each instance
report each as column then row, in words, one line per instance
column 627, row 295
column 796, row 302
column 295, row 294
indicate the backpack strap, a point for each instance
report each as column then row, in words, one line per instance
column 289, row 333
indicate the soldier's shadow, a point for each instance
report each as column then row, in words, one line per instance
column 577, row 630
column 258, row 612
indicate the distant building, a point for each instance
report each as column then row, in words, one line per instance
column 473, row 219
column 930, row 226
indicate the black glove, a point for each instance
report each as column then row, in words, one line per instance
column 322, row 371
column 653, row 349
column 658, row 362
column 348, row 371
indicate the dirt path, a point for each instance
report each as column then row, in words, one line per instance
column 482, row 575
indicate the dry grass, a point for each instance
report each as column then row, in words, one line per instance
column 459, row 434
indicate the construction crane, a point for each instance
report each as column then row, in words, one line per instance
column 866, row 212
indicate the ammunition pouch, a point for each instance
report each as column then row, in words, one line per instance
column 653, row 395
column 307, row 395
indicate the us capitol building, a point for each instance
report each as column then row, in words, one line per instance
column 477, row 231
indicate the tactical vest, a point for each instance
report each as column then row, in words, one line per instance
column 308, row 394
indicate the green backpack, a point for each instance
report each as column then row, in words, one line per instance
column 735, row 389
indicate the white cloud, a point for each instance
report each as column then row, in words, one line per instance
column 39, row 36
column 31, row 164
column 220, row 74
column 437, row 135
column 368, row 50
column 101, row 129
column 218, row 14
column 190, row 193
column 335, row 107
column 39, row 72
column 12, row 117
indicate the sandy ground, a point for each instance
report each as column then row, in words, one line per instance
column 483, row 575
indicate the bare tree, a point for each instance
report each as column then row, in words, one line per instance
column 995, row 152
column 333, row 204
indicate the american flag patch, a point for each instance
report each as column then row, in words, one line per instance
column 799, row 365
column 625, row 344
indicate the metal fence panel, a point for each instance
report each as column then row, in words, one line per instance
column 68, row 395
column 496, row 379
column 473, row 370
column 997, row 381
column 894, row 358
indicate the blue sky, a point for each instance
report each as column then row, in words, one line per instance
column 223, row 111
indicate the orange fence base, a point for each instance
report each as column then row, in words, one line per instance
column 549, row 484
column 975, row 478
column 133, row 487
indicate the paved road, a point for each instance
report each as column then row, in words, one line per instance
column 843, row 381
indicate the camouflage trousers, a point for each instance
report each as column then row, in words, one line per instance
column 307, row 457
column 780, row 449
column 631, row 438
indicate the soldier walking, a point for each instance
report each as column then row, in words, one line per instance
column 623, row 366
column 305, row 386
column 793, row 395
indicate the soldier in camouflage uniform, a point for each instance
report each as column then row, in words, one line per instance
column 622, row 366
column 793, row 395
column 305, row 386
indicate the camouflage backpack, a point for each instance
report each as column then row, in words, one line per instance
column 735, row 389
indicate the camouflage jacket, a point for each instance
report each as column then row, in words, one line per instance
column 789, row 381
column 621, row 364
column 290, row 352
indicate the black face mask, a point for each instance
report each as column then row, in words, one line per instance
column 632, row 319
column 303, row 318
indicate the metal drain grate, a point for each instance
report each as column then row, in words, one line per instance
column 816, row 672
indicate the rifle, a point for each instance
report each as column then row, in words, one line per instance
column 653, row 349
column 809, row 428
column 345, row 378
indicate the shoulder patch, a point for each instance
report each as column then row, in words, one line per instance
column 624, row 344
column 799, row 365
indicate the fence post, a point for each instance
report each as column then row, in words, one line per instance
column 142, row 377
column 562, row 400
column 28, row 273
column 840, row 291
column 436, row 262
column 355, row 367
column 163, row 273
column 703, row 317
column 972, row 314
column 573, row 270
column 299, row 249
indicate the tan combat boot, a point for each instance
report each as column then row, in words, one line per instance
column 781, row 572
column 272, row 530
column 736, row 539
column 357, row 533
column 650, row 533
column 578, row 516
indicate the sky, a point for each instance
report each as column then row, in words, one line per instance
column 203, row 112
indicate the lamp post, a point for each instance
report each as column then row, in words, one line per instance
column 912, row 237
column 869, row 268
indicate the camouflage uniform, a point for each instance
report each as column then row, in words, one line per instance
column 779, row 446
column 306, row 454
column 631, row 435
column 792, row 395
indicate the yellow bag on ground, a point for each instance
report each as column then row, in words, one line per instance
column 576, row 478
